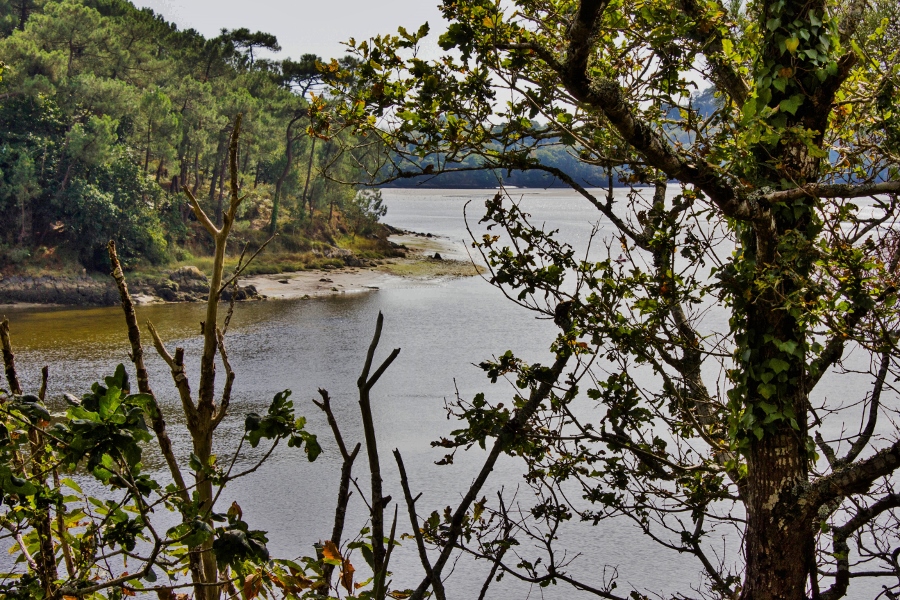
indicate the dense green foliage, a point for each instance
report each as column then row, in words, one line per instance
column 107, row 112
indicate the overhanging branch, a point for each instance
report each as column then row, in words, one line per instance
column 839, row 190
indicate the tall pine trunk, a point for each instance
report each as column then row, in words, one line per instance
column 309, row 166
column 289, row 141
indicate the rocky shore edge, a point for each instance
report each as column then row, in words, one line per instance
column 185, row 284
column 189, row 284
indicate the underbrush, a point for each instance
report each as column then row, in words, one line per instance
column 292, row 250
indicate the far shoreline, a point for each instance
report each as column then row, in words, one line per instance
column 429, row 258
column 426, row 262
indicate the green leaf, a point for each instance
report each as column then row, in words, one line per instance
column 768, row 408
column 72, row 485
column 778, row 365
column 791, row 104
column 109, row 402
column 766, row 390
column 11, row 484
column 313, row 449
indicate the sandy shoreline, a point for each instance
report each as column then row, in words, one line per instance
column 420, row 267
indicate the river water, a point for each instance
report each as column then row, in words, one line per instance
column 442, row 328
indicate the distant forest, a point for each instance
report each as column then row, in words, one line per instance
column 108, row 112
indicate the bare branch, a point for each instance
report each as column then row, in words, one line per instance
column 839, row 190
column 841, row 549
column 436, row 582
column 852, row 479
column 343, row 499
column 201, row 216
column 4, row 522
column 137, row 357
column 379, row 502
column 229, row 381
column 176, row 365
column 9, row 359
column 874, row 404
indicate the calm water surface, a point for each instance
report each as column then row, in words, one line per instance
column 442, row 327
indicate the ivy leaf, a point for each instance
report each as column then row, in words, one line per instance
column 778, row 365
column 791, row 104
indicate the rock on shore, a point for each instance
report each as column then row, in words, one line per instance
column 57, row 290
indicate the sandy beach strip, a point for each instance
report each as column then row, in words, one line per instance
column 420, row 267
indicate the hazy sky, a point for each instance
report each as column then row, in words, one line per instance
column 316, row 26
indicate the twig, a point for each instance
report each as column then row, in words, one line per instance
column 234, row 289
column 240, row 269
column 508, row 433
column 498, row 558
column 229, row 380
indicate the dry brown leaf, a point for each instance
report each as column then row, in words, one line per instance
column 331, row 552
column 347, row 571
column 235, row 511
column 252, row 586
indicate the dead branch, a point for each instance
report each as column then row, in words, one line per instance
column 137, row 357
column 9, row 359
column 229, row 380
column 436, row 583
column 379, row 502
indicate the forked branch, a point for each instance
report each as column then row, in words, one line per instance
column 379, row 502
column 340, row 511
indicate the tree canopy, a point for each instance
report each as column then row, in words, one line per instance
column 108, row 112
column 777, row 208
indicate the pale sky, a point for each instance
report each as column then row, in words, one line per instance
column 316, row 26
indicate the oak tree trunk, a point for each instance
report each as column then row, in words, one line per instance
column 776, row 546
